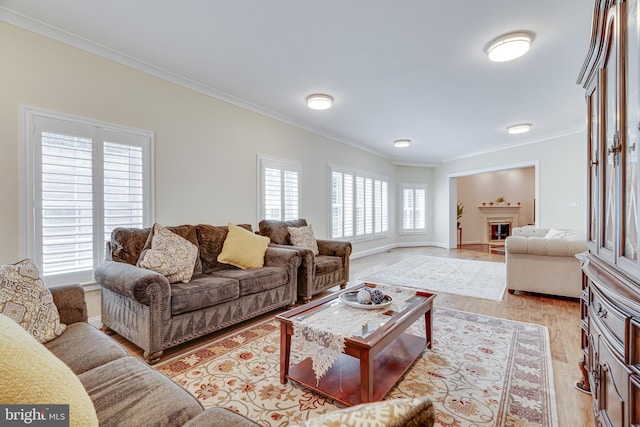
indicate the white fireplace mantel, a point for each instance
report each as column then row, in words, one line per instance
column 492, row 213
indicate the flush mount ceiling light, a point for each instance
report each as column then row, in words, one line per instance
column 519, row 128
column 319, row 101
column 509, row 46
column 402, row 143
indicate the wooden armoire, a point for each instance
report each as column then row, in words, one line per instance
column 610, row 303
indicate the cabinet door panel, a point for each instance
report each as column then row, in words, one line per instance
column 609, row 84
column 614, row 392
column 594, row 165
column 629, row 241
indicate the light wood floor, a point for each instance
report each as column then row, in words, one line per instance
column 560, row 315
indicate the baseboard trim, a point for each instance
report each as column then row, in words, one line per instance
column 387, row 248
column 96, row 321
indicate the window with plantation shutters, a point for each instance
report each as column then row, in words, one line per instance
column 279, row 195
column 414, row 208
column 82, row 179
column 359, row 204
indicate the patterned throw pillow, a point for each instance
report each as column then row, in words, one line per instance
column 303, row 236
column 25, row 298
column 170, row 255
column 408, row 412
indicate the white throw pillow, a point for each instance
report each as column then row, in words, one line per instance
column 170, row 255
column 303, row 237
column 558, row 234
column 26, row 299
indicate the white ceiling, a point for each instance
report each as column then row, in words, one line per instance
column 397, row 68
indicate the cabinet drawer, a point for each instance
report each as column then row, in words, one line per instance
column 613, row 322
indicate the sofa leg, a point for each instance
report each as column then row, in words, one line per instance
column 306, row 299
column 343, row 285
column 153, row 358
column 511, row 291
column 107, row 330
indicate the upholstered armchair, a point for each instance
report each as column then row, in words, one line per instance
column 317, row 272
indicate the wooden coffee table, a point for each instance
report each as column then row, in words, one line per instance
column 373, row 362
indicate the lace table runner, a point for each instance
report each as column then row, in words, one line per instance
column 321, row 334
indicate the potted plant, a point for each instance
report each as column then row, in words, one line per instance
column 460, row 211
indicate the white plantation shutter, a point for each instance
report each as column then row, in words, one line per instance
column 85, row 179
column 359, row 204
column 414, row 207
column 65, row 207
column 279, row 195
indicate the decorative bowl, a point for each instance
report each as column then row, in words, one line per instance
column 349, row 298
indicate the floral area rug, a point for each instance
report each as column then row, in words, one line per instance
column 479, row 279
column 481, row 371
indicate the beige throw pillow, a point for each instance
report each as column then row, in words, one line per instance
column 26, row 299
column 170, row 255
column 243, row 248
column 303, row 236
column 409, row 412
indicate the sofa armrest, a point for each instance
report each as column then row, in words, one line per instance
column 134, row 282
column 276, row 255
column 71, row 304
column 543, row 246
column 218, row 416
column 334, row 248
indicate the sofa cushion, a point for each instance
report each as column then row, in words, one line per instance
column 243, row 249
column 278, row 231
column 97, row 347
column 169, row 254
column 211, row 239
column 327, row 264
column 256, row 280
column 25, row 298
column 303, row 236
column 202, row 291
column 128, row 243
column 29, row 373
column 126, row 392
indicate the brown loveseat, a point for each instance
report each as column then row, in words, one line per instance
column 142, row 306
column 317, row 272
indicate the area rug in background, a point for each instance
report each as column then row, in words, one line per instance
column 482, row 371
column 479, row 279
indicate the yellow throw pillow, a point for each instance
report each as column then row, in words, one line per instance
column 243, row 248
column 31, row 375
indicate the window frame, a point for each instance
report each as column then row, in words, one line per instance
column 30, row 197
column 414, row 187
column 262, row 162
column 367, row 197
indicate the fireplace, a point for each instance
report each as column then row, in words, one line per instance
column 499, row 230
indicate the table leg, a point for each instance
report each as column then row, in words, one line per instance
column 428, row 322
column 285, row 352
column 366, row 377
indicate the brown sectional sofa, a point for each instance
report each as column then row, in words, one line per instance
column 124, row 390
column 142, row 306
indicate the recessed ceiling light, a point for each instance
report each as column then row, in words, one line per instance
column 402, row 143
column 519, row 128
column 319, row 101
column 509, row 46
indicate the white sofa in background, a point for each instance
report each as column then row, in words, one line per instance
column 543, row 260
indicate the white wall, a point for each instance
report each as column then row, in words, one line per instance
column 562, row 182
